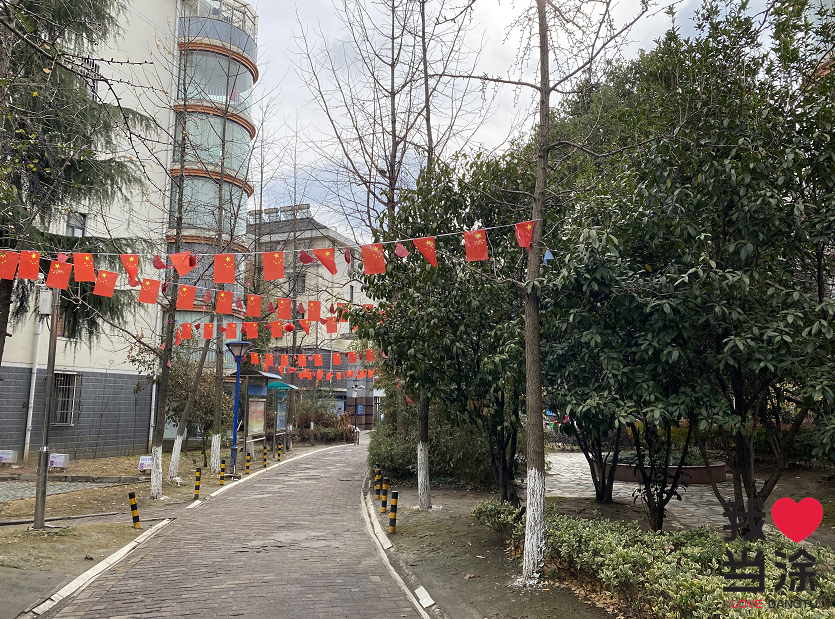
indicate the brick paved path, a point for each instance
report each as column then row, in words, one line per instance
column 290, row 544
column 11, row 490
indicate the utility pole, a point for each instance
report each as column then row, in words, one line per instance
column 43, row 454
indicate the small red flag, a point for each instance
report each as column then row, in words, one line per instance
column 373, row 260
column 253, row 358
column 224, row 268
column 285, row 360
column 8, row 264
column 352, row 357
column 131, row 262
column 105, row 283
column 319, row 374
column 84, row 270
column 59, row 275
column 273, row 265
column 305, row 324
column 178, row 339
column 232, row 330
column 326, row 257
column 329, row 375
column 317, row 360
column 361, row 374
column 339, row 376
column 207, row 298
column 300, row 308
column 305, row 258
column 239, row 304
column 331, row 326
column 184, row 262
column 475, row 244
column 276, row 329
column 158, row 263
column 62, row 257
column 30, row 265
column 524, row 233
column 426, row 246
column 314, row 310
column 401, row 250
column 284, row 309
column 371, row 373
column 337, row 359
column 251, row 329
column 186, row 330
column 340, row 311
column 301, row 361
column 208, row 330
column 253, row 305
column 224, row 302
column 350, row 374
column 268, row 361
column 369, row 355
column 149, row 291
column 185, row 298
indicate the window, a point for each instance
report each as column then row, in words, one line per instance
column 62, row 322
column 76, row 224
column 67, row 392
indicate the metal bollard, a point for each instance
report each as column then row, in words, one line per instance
column 222, row 471
column 265, row 453
column 279, row 452
column 197, row 484
column 385, row 496
column 248, row 457
column 134, row 510
column 378, row 480
column 393, row 512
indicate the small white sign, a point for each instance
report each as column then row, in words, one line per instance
column 145, row 463
column 59, row 461
column 8, row 455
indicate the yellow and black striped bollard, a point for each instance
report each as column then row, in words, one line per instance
column 134, row 510
column 265, row 453
column 279, row 452
column 197, row 484
column 248, row 458
column 222, row 471
column 378, row 480
column 385, row 496
column 393, row 512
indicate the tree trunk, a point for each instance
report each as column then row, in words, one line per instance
column 424, row 494
column 427, row 111
column 535, row 510
column 6, row 287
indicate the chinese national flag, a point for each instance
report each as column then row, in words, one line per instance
column 350, row 374
column 224, row 302
column 273, row 265
column 231, row 330
column 182, row 262
column 186, row 330
column 371, row 373
column 426, row 246
column 285, row 360
column 284, row 309
column 337, row 359
column 331, row 326
column 84, row 270
column 317, row 360
column 301, row 361
column 224, row 268
column 251, row 329
column 305, row 324
column 105, row 284
column 253, row 358
column 8, row 264
column 329, row 375
column 352, row 357
column 314, row 310
column 369, row 355
column 475, row 243
column 524, row 233
column 373, row 260
column 149, row 291
column 59, row 275
column 30, row 264
column 208, row 330
column 185, row 299
column 339, row 376
column 253, row 305
column 319, row 374
column 340, row 313
column 269, row 360
column 361, row 374
column 177, row 340
column 326, row 257
column 131, row 262
column 277, row 329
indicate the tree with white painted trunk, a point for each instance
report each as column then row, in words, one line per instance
column 424, row 493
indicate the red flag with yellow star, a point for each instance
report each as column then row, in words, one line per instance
column 208, row 330
column 305, row 324
column 524, row 233
column 319, row 374
column 253, row 358
column 426, row 246
column 8, row 264
column 301, row 361
column 184, row 262
column 83, row 267
column 269, row 359
column 352, row 357
column 285, row 360
column 232, row 330
column 149, row 291
column 253, row 305
column 105, row 283
column 273, row 265
column 284, row 309
column 276, row 329
column 475, row 243
column 326, row 257
column 314, row 310
column 337, row 359
column 330, row 325
column 59, row 275
column 224, row 302
column 251, row 329
column 373, row 260
column 185, row 298
column 369, row 355
column 224, row 268
column 30, row 265
column 186, row 331
column 131, row 262
column 317, row 360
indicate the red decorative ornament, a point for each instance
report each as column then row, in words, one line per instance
column 239, row 303
column 300, row 308
column 158, row 263
column 289, row 328
column 62, row 258
column 192, row 260
column 401, row 250
column 331, row 308
column 270, row 307
column 305, row 258
column 348, row 255
column 207, row 298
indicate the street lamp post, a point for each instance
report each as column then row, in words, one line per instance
column 356, row 413
column 238, row 350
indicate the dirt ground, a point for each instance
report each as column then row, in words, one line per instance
column 464, row 565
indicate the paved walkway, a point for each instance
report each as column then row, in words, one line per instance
column 11, row 490
column 290, row 544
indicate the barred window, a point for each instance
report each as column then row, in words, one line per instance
column 67, row 394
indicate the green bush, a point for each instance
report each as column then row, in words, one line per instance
column 502, row 517
column 323, row 435
column 692, row 459
column 800, row 450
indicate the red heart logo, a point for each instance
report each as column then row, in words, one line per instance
column 797, row 521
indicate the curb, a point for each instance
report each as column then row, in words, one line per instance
column 90, row 575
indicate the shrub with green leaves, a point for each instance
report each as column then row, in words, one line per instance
column 502, row 517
